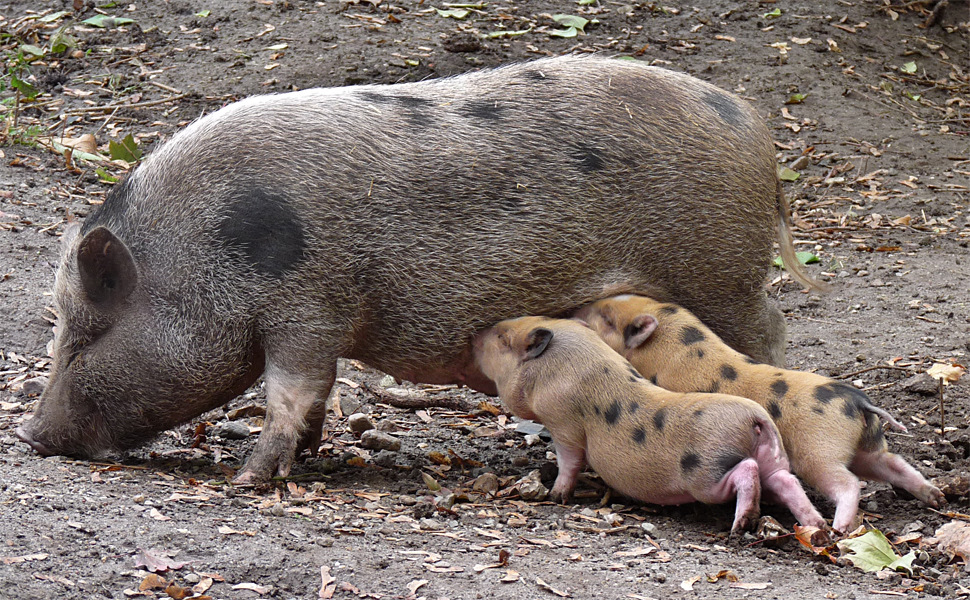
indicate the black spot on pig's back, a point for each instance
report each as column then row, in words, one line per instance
column 726, row 107
column 264, row 230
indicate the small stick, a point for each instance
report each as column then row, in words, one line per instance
column 942, row 423
column 111, row 107
column 416, row 403
column 867, row 369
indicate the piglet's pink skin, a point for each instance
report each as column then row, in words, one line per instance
column 646, row 442
column 831, row 430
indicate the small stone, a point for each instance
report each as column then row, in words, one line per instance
column 387, row 381
column 878, row 283
column 378, row 440
column 914, row 527
column 872, row 506
column 372, row 506
column 446, row 501
column 486, row 483
column 349, row 404
column 659, row 577
column 359, row 423
column 532, row 440
column 277, row 510
column 649, row 528
column 231, row 430
column 821, row 569
column 385, row 458
column 429, row 524
column 921, row 384
column 800, row 163
column 530, row 487
column 520, row 461
column 527, row 427
column 423, row 510
column 858, row 383
column 192, row 578
column 462, row 42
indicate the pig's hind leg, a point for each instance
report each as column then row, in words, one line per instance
column 881, row 465
column 291, row 401
column 571, row 462
column 743, row 483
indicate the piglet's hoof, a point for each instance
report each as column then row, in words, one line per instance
column 560, row 496
column 266, row 463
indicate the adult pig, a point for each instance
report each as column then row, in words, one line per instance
column 646, row 442
column 388, row 224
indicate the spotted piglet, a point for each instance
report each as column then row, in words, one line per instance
column 648, row 443
column 831, row 430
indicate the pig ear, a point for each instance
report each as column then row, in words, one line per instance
column 536, row 342
column 107, row 270
column 639, row 331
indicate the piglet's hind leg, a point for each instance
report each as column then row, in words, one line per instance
column 571, row 461
column 742, row 482
column 891, row 468
column 782, row 487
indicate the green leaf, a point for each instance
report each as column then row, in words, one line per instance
column 796, row 98
column 503, row 33
column 772, row 15
column 627, row 57
column 909, row 67
column 585, row 2
column 571, row 21
column 565, row 33
column 429, row 481
column 912, row 96
column 886, row 86
column 126, row 150
column 203, row 14
column 477, row 5
column 62, row 42
column 873, row 552
column 25, row 88
column 453, row 13
column 32, row 50
column 106, row 21
column 53, row 16
column 786, row 174
column 105, row 176
column 805, row 258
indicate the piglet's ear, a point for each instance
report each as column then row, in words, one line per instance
column 107, row 269
column 639, row 331
column 536, row 343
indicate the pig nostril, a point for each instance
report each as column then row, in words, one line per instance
column 37, row 446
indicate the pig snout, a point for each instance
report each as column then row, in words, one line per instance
column 23, row 432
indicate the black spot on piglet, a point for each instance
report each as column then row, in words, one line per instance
column 774, row 410
column 613, row 412
column 689, row 461
column 660, row 419
column 779, row 388
column 728, row 372
column 691, row 335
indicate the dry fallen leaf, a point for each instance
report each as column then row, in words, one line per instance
column 542, row 584
column 954, row 539
column 156, row 561
column 749, row 586
column 203, row 586
column 946, row 373
column 415, row 585
column 13, row 560
column 153, row 582
column 153, row 513
column 253, row 587
column 177, row 592
column 328, row 584
column 688, row 584
column 510, row 576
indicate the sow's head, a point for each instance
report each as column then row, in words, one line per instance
column 139, row 347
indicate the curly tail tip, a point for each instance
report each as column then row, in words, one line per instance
column 886, row 417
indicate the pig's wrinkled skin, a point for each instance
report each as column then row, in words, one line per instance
column 831, row 430
column 389, row 224
column 644, row 441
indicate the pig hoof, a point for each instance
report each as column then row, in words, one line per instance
column 310, row 440
column 932, row 496
column 560, row 497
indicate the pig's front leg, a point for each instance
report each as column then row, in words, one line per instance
column 571, row 462
column 291, row 400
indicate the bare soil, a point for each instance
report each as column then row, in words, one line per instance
column 883, row 152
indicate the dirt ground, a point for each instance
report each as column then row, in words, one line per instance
column 869, row 104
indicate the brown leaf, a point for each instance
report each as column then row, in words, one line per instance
column 203, row 586
column 328, row 584
column 510, row 576
column 542, row 584
column 946, row 373
column 153, row 582
column 954, row 539
column 13, row 560
column 688, row 584
column 177, row 592
column 156, row 561
column 415, row 585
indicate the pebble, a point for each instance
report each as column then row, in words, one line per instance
column 487, row 483
column 530, row 487
column 192, row 578
column 649, row 528
column 385, row 458
column 520, row 461
column 921, row 384
column 799, row 163
column 231, row 430
column 429, row 524
column 359, row 423
column 378, row 440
